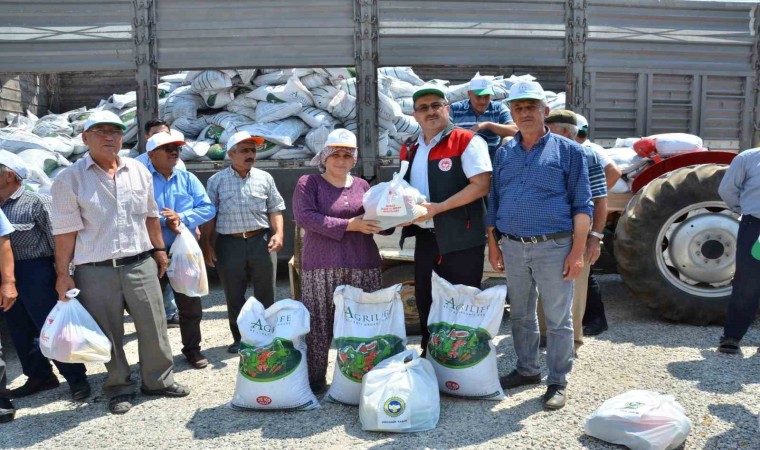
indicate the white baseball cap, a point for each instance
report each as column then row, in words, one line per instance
column 582, row 122
column 523, row 90
column 163, row 138
column 340, row 137
column 13, row 162
column 243, row 136
column 481, row 86
column 103, row 117
column 429, row 88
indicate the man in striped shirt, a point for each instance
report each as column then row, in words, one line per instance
column 564, row 123
column 33, row 249
column 490, row 120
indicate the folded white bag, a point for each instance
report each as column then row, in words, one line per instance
column 71, row 335
column 640, row 420
column 394, row 202
column 400, row 394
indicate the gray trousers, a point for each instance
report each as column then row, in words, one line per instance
column 239, row 260
column 105, row 293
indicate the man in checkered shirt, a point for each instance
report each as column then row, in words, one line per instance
column 33, row 249
column 243, row 239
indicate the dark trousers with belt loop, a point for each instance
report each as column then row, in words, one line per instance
column 742, row 306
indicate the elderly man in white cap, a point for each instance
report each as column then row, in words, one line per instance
column 489, row 119
column 540, row 203
column 181, row 199
column 33, row 249
column 106, row 225
column 243, row 239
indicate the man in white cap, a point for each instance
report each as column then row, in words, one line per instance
column 450, row 167
column 243, row 240
column 490, row 120
column 612, row 172
column 181, row 199
column 33, row 249
column 106, row 224
column 540, row 202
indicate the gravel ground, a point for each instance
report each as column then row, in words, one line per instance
column 721, row 395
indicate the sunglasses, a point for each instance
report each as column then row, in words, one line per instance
column 105, row 133
column 436, row 106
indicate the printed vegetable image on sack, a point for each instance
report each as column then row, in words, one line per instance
column 462, row 323
column 369, row 327
column 272, row 372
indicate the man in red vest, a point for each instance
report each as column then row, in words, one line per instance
column 451, row 168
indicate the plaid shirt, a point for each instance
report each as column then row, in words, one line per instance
column 243, row 204
column 462, row 115
column 29, row 213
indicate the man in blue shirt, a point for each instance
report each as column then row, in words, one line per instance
column 181, row 199
column 540, row 202
column 740, row 189
column 8, row 297
column 490, row 120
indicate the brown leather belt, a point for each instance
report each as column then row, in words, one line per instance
column 247, row 234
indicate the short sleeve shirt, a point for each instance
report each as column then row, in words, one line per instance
column 462, row 115
column 243, row 204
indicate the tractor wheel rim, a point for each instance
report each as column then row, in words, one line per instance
column 696, row 249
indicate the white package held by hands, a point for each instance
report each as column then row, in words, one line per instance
column 368, row 328
column 187, row 268
column 640, row 420
column 462, row 324
column 273, row 373
column 394, row 202
column 400, row 394
column 71, row 335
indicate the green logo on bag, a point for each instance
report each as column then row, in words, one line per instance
column 394, row 406
column 357, row 356
column 457, row 346
column 270, row 362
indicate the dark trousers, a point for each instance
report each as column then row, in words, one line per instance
column 461, row 267
column 35, row 282
column 3, row 381
column 594, row 306
column 190, row 312
column 239, row 260
column 742, row 307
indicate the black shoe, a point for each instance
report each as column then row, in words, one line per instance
column 80, row 390
column 730, row 346
column 197, row 360
column 175, row 390
column 595, row 328
column 120, row 404
column 234, row 347
column 172, row 322
column 34, row 385
column 555, row 397
column 514, row 379
column 318, row 387
column 7, row 411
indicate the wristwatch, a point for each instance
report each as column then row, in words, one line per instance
column 596, row 234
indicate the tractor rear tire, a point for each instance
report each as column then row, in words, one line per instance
column 675, row 245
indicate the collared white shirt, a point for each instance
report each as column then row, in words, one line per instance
column 108, row 213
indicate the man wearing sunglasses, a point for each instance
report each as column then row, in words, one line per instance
column 181, row 199
column 243, row 240
column 106, row 224
column 451, row 167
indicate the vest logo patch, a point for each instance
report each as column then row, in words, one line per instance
column 444, row 164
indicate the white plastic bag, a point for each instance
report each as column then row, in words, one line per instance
column 272, row 373
column 400, row 394
column 187, row 269
column 369, row 327
column 462, row 324
column 640, row 420
column 394, row 202
column 71, row 335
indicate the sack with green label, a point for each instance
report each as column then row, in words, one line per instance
column 272, row 373
column 400, row 394
column 368, row 328
column 462, row 323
